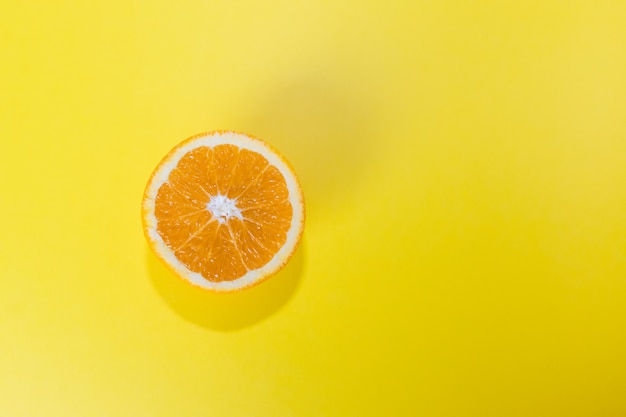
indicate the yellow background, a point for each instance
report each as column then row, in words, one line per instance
column 464, row 165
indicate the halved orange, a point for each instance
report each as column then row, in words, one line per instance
column 223, row 210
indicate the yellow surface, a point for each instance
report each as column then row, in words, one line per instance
column 464, row 165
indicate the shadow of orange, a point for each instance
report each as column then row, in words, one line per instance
column 227, row 312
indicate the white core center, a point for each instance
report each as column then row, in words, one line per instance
column 223, row 208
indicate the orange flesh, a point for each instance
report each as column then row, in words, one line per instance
column 226, row 250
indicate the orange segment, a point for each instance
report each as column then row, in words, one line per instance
column 223, row 210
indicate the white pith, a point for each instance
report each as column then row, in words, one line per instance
column 225, row 208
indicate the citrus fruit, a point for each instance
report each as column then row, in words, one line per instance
column 223, row 210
